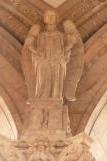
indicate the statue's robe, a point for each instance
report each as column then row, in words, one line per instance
column 46, row 72
column 50, row 65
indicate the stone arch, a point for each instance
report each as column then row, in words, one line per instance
column 12, row 86
column 8, row 126
column 97, row 129
column 96, row 113
column 93, row 83
column 11, row 115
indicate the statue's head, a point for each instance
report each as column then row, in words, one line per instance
column 41, row 144
column 50, row 17
column 68, row 26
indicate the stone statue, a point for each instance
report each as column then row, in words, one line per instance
column 52, row 63
column 52, row 60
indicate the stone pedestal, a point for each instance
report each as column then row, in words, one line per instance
column 48, row 118
column 47, row 136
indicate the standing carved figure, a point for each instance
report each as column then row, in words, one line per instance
column 52, row 60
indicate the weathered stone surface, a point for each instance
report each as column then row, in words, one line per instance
column 76, row 148
column 90, row 89
column 89, row 18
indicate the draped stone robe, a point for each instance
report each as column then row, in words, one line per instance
column 50, row 66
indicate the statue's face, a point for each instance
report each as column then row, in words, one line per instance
column 50, row 18
column 41, row 148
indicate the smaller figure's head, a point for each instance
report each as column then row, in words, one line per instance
column 50, row 17
column 69, row 27
column 41, row 144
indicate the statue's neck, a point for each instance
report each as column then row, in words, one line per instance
column 51, row 28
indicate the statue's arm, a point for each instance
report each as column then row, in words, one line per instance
column 28, row 59
column 74, row 53
column 31, row 40
column 70, row 37
column 70, row 41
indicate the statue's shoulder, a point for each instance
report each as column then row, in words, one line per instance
column 35, row 26
column 59, row 32
column 35, row 29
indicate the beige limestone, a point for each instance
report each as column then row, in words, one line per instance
column 48, row 115
column 55, row 3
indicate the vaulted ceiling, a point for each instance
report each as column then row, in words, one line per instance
column 90, row 17
column 55, row 3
